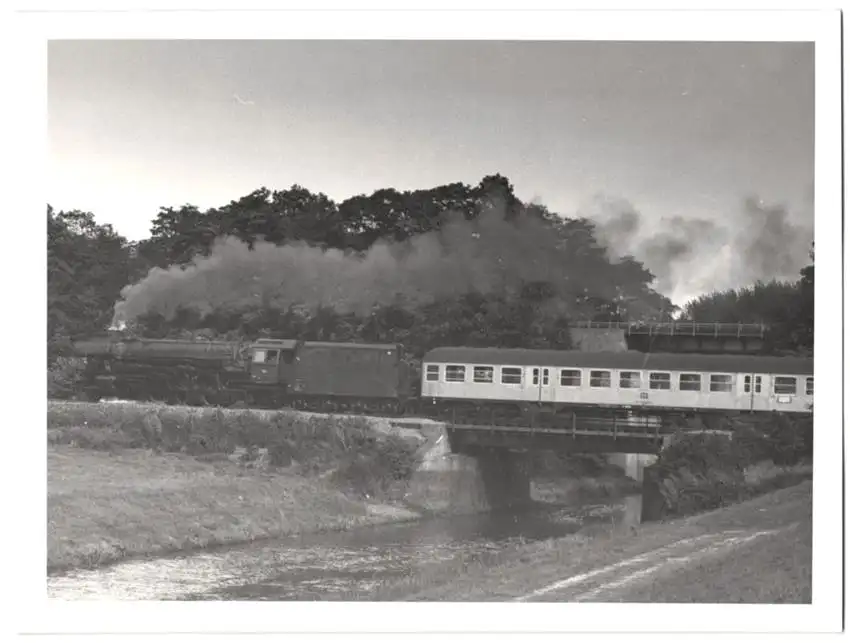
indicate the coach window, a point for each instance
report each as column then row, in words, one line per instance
column 629, row 379
column 720, row 384
column 570, row 377
column 482, row 374
column 748, row 385
column 265, row 357
column 511, row 375
column 690, row 382
column 785, row 385
column 659, row 381
column 810, row 386
column 432, row 374
column 455, row 373
column 600, row 379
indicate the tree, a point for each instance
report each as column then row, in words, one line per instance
column 87, row 266
column 804, row 328
column 178, row 234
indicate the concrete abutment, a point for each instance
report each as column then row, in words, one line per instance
column 506, row 478
column 468, row 482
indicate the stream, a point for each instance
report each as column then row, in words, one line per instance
column 325, row 566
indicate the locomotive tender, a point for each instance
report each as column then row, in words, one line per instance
column 473, row 385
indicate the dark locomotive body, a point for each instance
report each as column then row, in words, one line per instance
column 164, row 370
column 268, row 373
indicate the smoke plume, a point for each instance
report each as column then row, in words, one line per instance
column 695, row 256
column 486, row 255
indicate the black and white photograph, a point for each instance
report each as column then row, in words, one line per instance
column 469, row 320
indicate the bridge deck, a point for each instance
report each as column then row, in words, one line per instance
column 471, row 439
column 654, row 434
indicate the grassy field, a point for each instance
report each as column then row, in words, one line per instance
column 103, row 507
column 778, row 569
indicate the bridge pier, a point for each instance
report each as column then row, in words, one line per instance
column 506, row 477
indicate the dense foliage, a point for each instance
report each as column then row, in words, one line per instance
column 87, row 266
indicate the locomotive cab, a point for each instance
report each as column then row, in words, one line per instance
column 273, row 361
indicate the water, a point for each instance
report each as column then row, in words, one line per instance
column 324, row 566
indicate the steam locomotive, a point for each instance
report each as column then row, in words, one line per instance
column 475, row 385
column 267, row 373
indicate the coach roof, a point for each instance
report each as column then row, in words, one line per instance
column 625, row 360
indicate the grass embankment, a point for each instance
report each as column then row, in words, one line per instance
column 777, row 568
column 134, row 480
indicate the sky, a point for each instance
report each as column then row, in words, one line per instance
column 679, row 130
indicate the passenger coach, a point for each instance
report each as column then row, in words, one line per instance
column 629, row 379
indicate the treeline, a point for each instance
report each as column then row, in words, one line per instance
column 90, row 265
column 787, row 307
column 455, row 264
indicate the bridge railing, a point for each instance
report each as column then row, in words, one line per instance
column 679, row 329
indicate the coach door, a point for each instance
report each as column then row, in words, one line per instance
column 541, row 379
column 756, row 394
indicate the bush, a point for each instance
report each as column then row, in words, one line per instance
column 703, row 471
column 374, row 471
column 62, row 376
column 94, row 438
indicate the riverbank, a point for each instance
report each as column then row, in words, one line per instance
column 105, row 507
column 131, row 480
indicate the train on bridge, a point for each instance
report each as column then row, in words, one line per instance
column 540, row 390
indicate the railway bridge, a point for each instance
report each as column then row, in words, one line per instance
column 500, row 450
column 673, row 337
